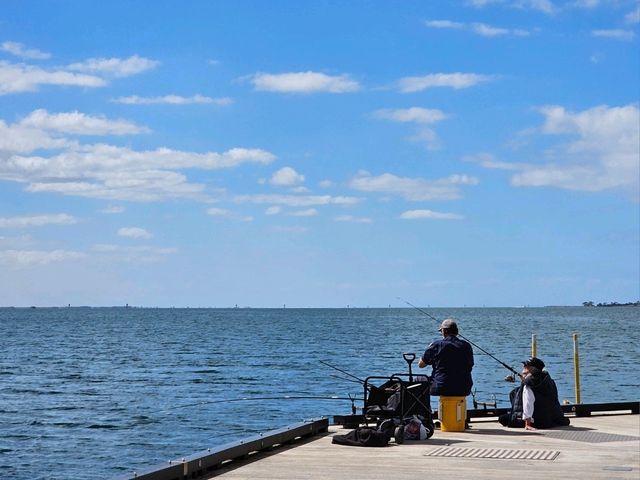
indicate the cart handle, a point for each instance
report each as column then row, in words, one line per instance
column 409, row 357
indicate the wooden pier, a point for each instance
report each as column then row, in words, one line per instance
column 599, row 446
column 603, row 441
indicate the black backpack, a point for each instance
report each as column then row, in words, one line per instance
column 363, row 437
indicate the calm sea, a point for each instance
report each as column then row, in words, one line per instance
column 104, row 391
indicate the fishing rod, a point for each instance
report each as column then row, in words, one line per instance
column 342, row 378
column 283, row 397
column 511, row 369
column 342, row 371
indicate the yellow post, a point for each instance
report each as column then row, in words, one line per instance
column 576, row 366
column 534, row 346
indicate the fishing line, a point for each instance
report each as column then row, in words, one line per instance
column 248, row 399
column 511, row 369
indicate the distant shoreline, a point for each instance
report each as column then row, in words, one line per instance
column 612, row 304
column 129, row 307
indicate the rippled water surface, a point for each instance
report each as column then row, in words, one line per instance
column 106, row 391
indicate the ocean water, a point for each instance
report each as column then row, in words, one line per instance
column 101, row 392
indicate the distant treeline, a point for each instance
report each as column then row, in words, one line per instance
column 612, row 304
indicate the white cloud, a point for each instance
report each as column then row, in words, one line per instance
column 427, row 137
column 18, row 78
column 17, row 242
column 615, row 34
column 544, row 6
column 116, row 67
column 106, row 248
column 596, row 58
column 414, row 189
column 17, row 138
column 21, row 77
column 172, row 100
column 145, row 187
column 218, row 212
column 352, row 219
column 489, row 161
column 286, row 177
column 286, row 229
column 19, row 50
column 119, row 173
column 134, row 232
column 413, row 115
column 37, row 257
column 138, row 253
column 113, row 210
column 34, row 132
column 488, row 31
column 430, row 215
column 589, row 4
column 227, row 214
column 449, row 80
column 273, row 210
column 448, row 24
column 304, row 82
column 326, row 184
column 633, row 16
column 297, row 200
column 37, row 221
column 80, row 124
column 483, row 3
column 478, row 28
column 604, row 155
column 421, row 116
column 309, row 212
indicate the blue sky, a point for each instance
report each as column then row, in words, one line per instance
column 263, row 153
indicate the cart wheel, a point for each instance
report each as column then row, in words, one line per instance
column 388, row 427
column 399, row 434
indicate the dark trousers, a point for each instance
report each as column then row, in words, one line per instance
column 508, row 420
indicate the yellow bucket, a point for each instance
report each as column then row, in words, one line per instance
column 452, row 413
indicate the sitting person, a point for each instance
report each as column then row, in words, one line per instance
column 452, row 362
column 535, row 402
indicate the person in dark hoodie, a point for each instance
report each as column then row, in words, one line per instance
column 535, row 402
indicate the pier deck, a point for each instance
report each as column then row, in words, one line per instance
column 600, row 446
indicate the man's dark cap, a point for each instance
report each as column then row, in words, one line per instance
column 534, row 362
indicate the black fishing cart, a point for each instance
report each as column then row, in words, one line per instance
column 400, row 397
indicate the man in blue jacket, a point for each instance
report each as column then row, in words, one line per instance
column 452, row 361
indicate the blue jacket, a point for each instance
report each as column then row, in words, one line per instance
column 452, row 361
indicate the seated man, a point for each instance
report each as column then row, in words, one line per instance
column 535, row 402
column 452, row 360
